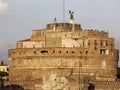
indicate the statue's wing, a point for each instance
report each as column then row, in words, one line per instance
column 69, row 11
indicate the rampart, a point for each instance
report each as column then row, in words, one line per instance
column 73, row 85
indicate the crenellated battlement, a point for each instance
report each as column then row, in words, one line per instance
column 38, row 35
column 96, row 33
column 63, row 27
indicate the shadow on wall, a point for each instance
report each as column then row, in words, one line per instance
column 9, row 87
column 91, row 87
column 13, row 87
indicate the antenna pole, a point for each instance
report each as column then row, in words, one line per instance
column 63, row 10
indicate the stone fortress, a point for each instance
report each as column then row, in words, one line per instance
column 65, row 49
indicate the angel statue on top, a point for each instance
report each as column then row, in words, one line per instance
column 71, row 14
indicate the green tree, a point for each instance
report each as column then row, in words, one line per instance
column 3, row 74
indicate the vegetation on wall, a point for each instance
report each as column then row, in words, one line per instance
column 118, row 73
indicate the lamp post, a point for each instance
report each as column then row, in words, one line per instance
column 63, row 10
column 1, row 84
column 80, row 67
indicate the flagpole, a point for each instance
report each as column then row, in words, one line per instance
column 63, row 10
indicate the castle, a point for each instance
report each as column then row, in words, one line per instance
column 67, row 50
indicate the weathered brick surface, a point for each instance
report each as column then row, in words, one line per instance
column 61, row 50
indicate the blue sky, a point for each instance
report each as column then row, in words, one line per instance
column 19, row 17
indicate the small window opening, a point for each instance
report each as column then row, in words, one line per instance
column 53, row 51
column 95, row 48
column 65, row 35
column 73, row 52
column 44, row 51
column 80, row 52
column 59, row 51
column 66, row 51
column 86, row 52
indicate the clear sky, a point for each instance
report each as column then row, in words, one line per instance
column 19, row 17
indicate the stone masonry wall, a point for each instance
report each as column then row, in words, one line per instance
column 31, row 63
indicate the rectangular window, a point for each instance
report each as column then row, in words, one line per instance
column 100, row 51
column 106, row 43
column 111, row 44
column 101, row 42
column 95, row 42
column 89, row 43
column 95, row 48
column 104, row 51
column 42, row 33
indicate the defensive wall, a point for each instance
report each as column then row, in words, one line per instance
column 96, row 85
column 41, row 62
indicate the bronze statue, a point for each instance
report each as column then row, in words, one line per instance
column 71, row 14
